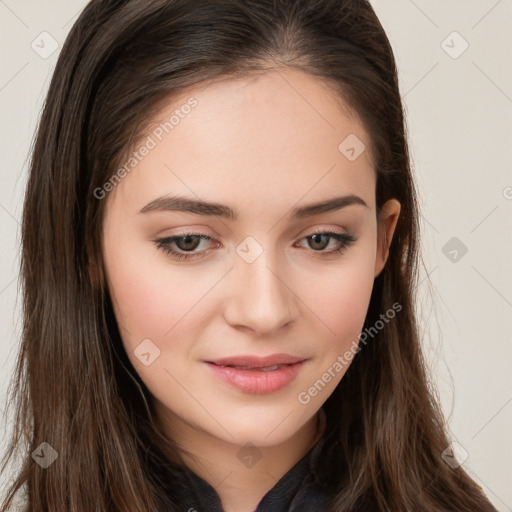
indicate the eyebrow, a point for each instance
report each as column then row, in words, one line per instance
column 189, row 205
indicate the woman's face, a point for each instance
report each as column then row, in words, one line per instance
column 259, row 283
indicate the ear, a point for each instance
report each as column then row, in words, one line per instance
column 386, row 224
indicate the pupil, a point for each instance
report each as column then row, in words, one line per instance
column 317, row 238
column 187, row 240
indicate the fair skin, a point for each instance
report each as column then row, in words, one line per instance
column 263, row 149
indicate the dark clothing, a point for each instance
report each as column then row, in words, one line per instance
column 296, row 491
column 306, row 487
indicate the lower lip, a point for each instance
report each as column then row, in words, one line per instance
column 256, row 381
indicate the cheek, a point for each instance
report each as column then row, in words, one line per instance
column 339, row 306
column 340, row 298
column 148, row 304
column 347, row 304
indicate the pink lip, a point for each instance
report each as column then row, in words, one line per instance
column 256, row 361
column 257, row 381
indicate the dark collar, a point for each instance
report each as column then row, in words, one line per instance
column 299, row 490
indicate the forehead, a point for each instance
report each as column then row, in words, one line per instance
column 271, row 138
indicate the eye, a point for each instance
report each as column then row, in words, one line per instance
column 188, row 242
column 317, row 241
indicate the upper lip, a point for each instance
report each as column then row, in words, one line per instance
column 256, row 361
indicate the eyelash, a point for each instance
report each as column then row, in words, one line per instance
column 344, row 239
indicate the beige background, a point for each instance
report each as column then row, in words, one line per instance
column 459, row 113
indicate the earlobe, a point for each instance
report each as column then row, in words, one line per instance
column 387, row 222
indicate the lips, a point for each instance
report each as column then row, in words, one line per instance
column 258, row 375
column 256, row 368
column 265, row 363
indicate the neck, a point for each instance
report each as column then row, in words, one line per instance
column 241, row 487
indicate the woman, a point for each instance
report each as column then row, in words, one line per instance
column 219, row 260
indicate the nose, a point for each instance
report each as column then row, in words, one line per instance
column 261, row 298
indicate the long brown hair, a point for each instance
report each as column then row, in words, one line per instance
column 75, row 389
